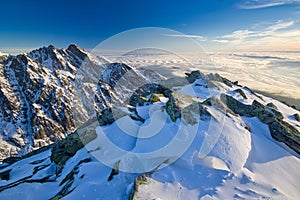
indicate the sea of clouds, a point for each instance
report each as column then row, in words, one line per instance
column 276, row 73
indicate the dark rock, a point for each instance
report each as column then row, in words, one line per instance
column 114, row 171
column 272, row 105
column 114, row 72
column 105, row 117
column 77, row 51
column 297, row 117
column 188, row 113
column 219, row 104
column 193, row 76
column 5, row 175
column 219, row 78
column 277, row 113
column 155, row 97
column 200, row 85
column 104, row 97
column 66, row 148
column 140, row 180
column 172, row 109
column 139, row 98
column 242, row 93
column 279, row 129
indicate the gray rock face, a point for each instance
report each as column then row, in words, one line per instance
column 114, row 72
column 36, row 97
column 118, row 84
column 280, row 130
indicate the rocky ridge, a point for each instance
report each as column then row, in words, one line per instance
column 37, row 97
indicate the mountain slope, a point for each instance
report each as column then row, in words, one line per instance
column 232, row 153
column 37, row 97
column 47, row 93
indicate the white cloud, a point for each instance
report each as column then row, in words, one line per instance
column 198, row 37
column 278, row 35
column 273, row 29
column 239, row 34
column 268, row 31
column 221, row 41
column 284, row 41
column 16, row 51
column 280, row 25
column 256, row 4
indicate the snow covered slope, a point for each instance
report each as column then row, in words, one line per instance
column 241, row 145
column 47, row 93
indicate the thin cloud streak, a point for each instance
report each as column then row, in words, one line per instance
column 254, row 4
column 276, row 36
column 280, row 25
column 221, row 41
column 239, row 34
column 198, row 37
column 268, row 31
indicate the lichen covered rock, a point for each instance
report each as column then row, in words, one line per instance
column 279, row 129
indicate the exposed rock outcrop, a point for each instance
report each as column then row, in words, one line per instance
column 36, row 95
column 279, row 129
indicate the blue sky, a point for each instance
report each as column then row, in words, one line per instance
column 216, row 24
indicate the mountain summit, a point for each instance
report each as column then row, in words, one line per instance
column 37, row 89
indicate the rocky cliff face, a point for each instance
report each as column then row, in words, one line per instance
column 37, row 92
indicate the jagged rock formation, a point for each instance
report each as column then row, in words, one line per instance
column 280, row 130
column 114, row 89
column 37, row 92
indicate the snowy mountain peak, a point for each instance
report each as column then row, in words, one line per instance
column 76, row 50
column 37, row 89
